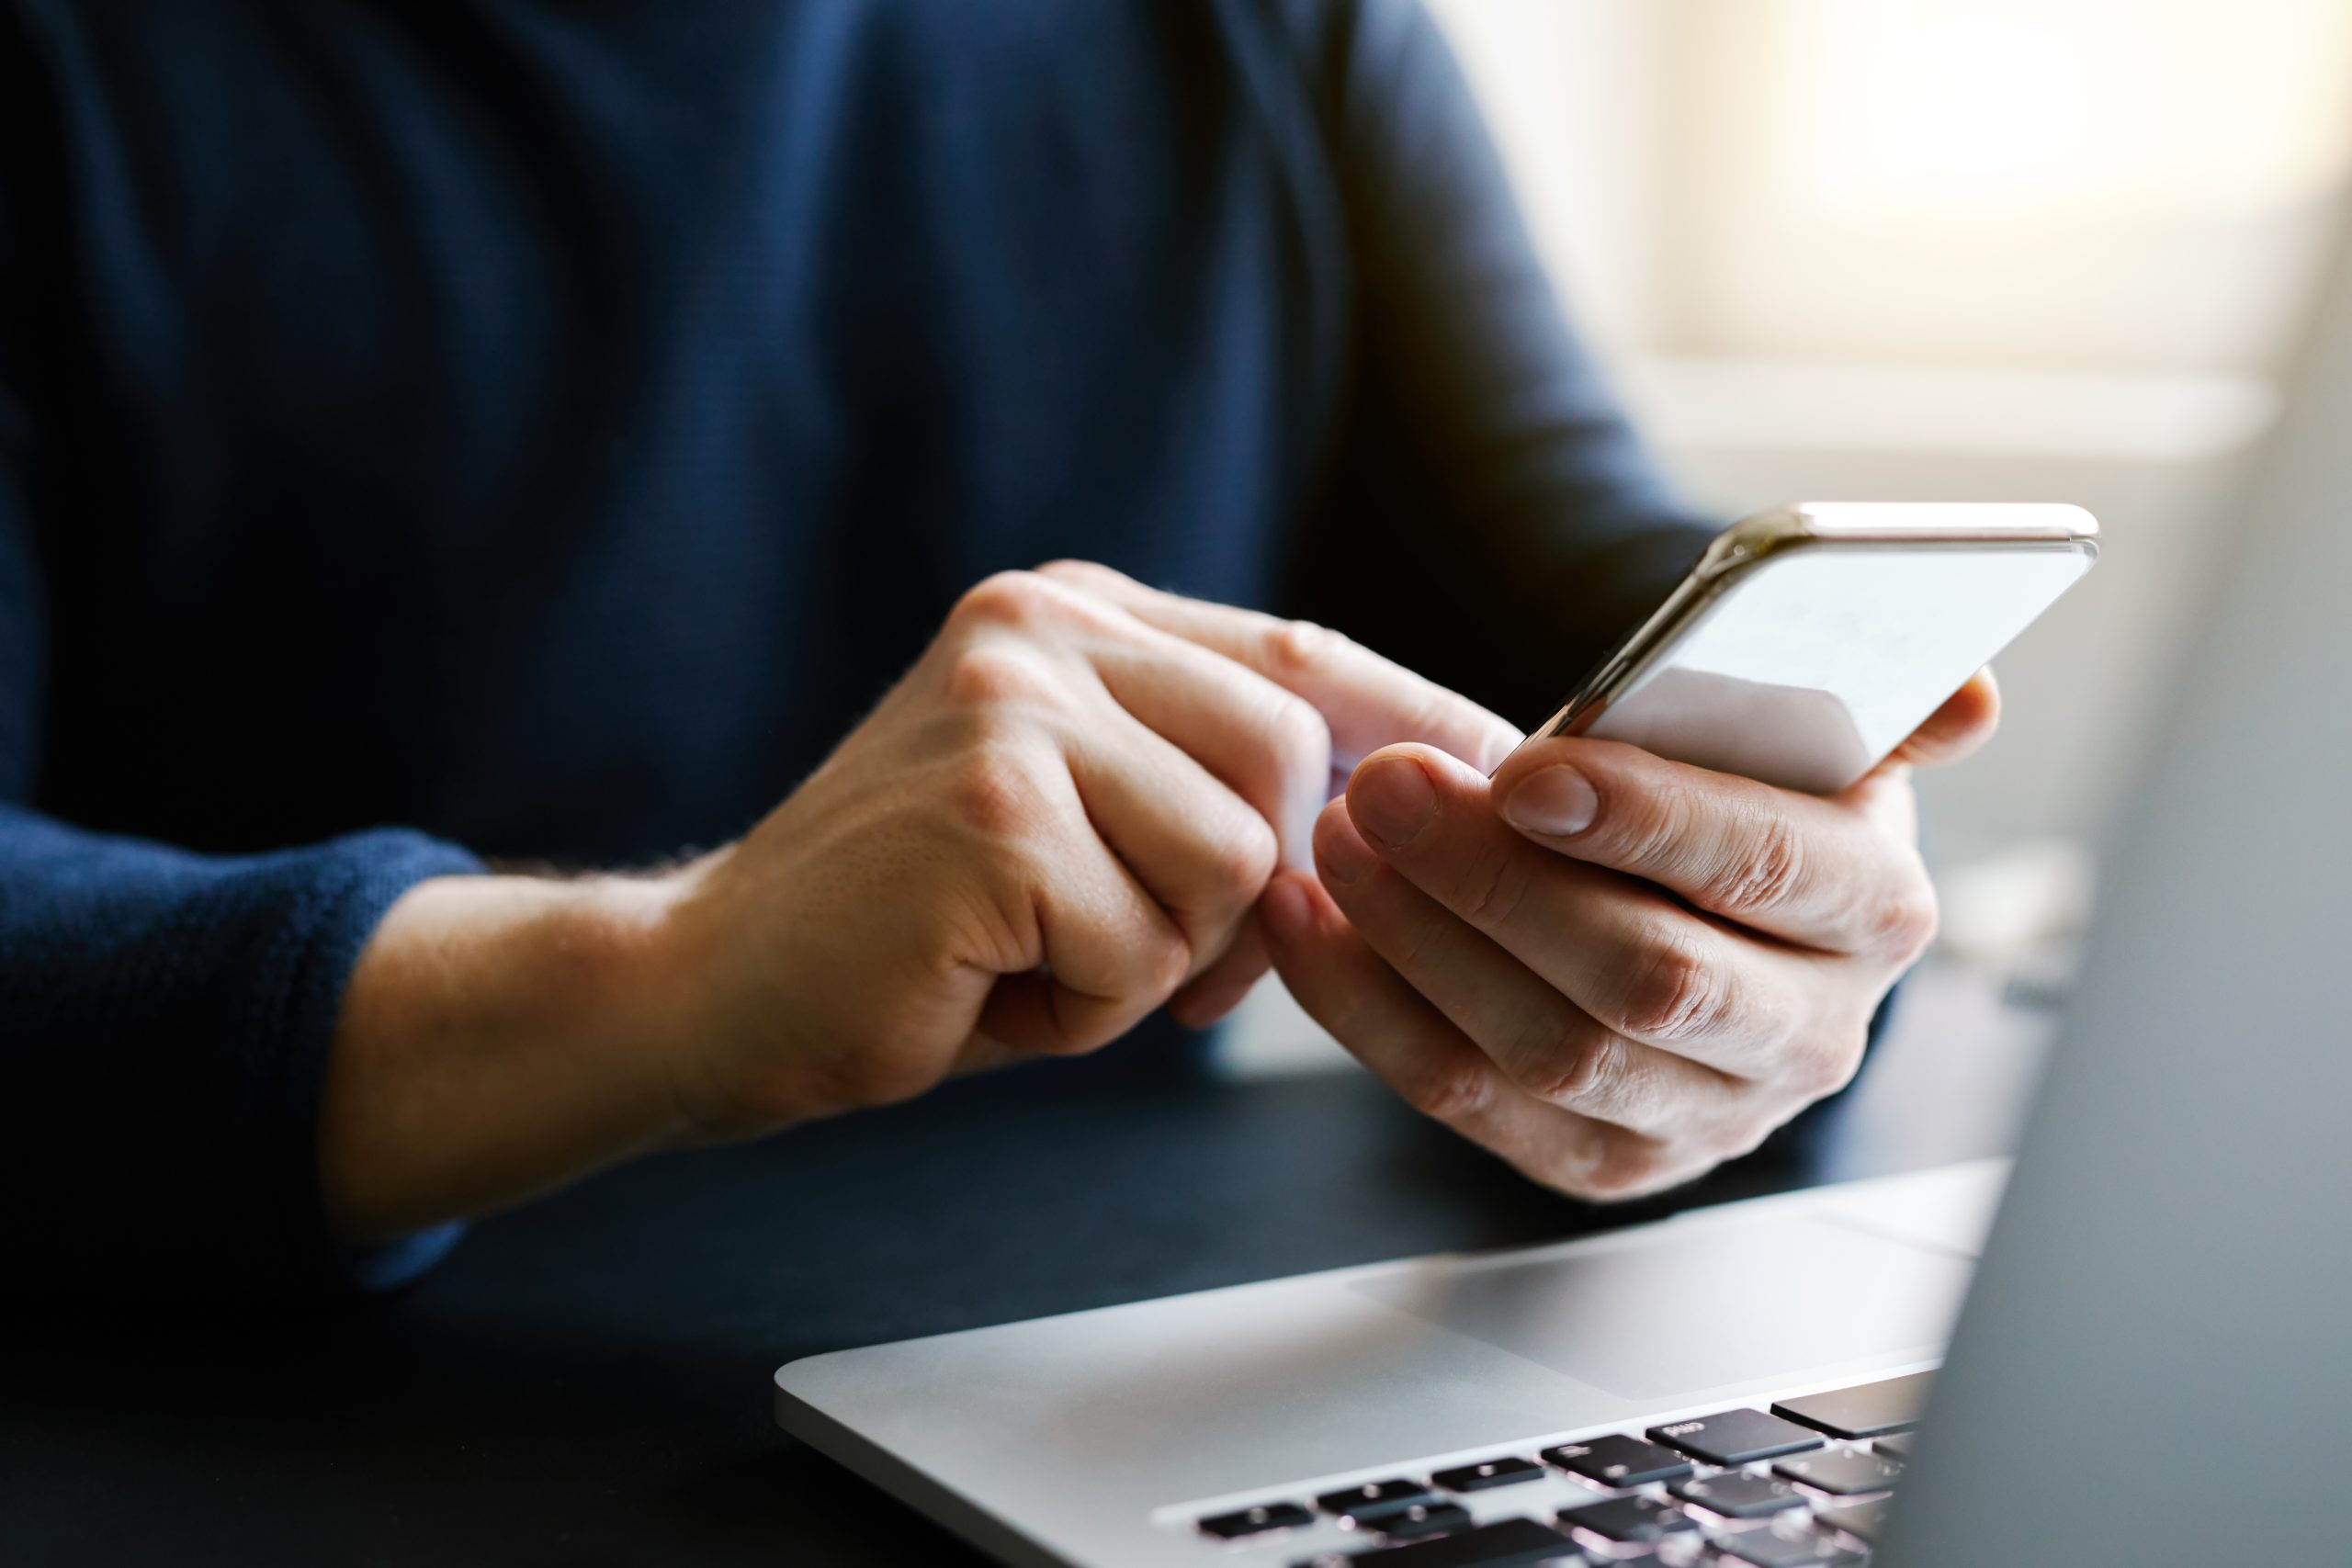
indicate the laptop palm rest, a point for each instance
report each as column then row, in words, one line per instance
column 1182, row 1406
column 1675, row 1314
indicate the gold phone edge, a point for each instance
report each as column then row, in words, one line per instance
column 1738, row 550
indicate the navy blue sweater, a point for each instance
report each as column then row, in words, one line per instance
column 538, row 430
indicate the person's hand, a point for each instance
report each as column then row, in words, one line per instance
column 1613, row 970
column 1060, row 819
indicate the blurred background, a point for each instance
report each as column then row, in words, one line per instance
column 2045, row 250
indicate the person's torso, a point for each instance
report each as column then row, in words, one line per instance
column 553, row 425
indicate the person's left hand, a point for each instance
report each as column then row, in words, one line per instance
column 1613, row 970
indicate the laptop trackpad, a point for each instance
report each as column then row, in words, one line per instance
column 1698, row 1309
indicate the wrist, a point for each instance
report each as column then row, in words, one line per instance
column 660, row 938
column 608, row 975
column 499, row 1035
column 709, row 1024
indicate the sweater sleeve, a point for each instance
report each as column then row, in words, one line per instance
column 164, row 1022
column 1492, row 519
column 164, row 1016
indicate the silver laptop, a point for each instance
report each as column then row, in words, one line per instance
column 2154, row 1366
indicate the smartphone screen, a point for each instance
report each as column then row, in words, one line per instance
column 1814, row 663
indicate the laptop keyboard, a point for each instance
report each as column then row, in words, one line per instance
column 1803, row 1484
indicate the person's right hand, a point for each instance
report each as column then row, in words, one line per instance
column 1056, row 822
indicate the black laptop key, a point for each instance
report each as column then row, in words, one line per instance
column 1246, row 1522
column 1506, row 1543
column 1373, row 1496
column 1863, row 1522
column 1487, row 1474
column 1630, row 1521
column 1844, row 1472
column 1898, row 1446
column 1765, row 1549
column 1732, row 1495
column 1737, row 1437
column 1864, row 1411
column 1618, row 1460
column 1412, row 1521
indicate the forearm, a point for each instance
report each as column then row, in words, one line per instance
column 499, row 1036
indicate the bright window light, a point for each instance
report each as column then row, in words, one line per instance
column 2156, row 109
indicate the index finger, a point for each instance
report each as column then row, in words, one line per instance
column 1368, row 701
column 1964, row 722
column 1824, row 874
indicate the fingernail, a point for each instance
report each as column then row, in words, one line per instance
column 1341, row 850
column 1556, row 802
column 1283, row 910
column 1392, row 800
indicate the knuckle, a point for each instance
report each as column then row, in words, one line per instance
column 1824, row 1064
column 999, row 674
column 1167, row 963
column 1302, row 648
column 1589, row 1068
column 1300, row 741
column 1674, row 992
column 1621, row 1168
column 1768, row 875
column 1495, row 889
column 1644, row 829
column 1748, row 1136
column 1242, row 860
column 1085, row 573
column 1007, row 598
column 997, row 795
column 1907, row 921
column 1451, row 1092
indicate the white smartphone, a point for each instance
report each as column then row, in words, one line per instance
column 1810, row 640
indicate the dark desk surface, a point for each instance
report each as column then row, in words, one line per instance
column 586, row 1382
